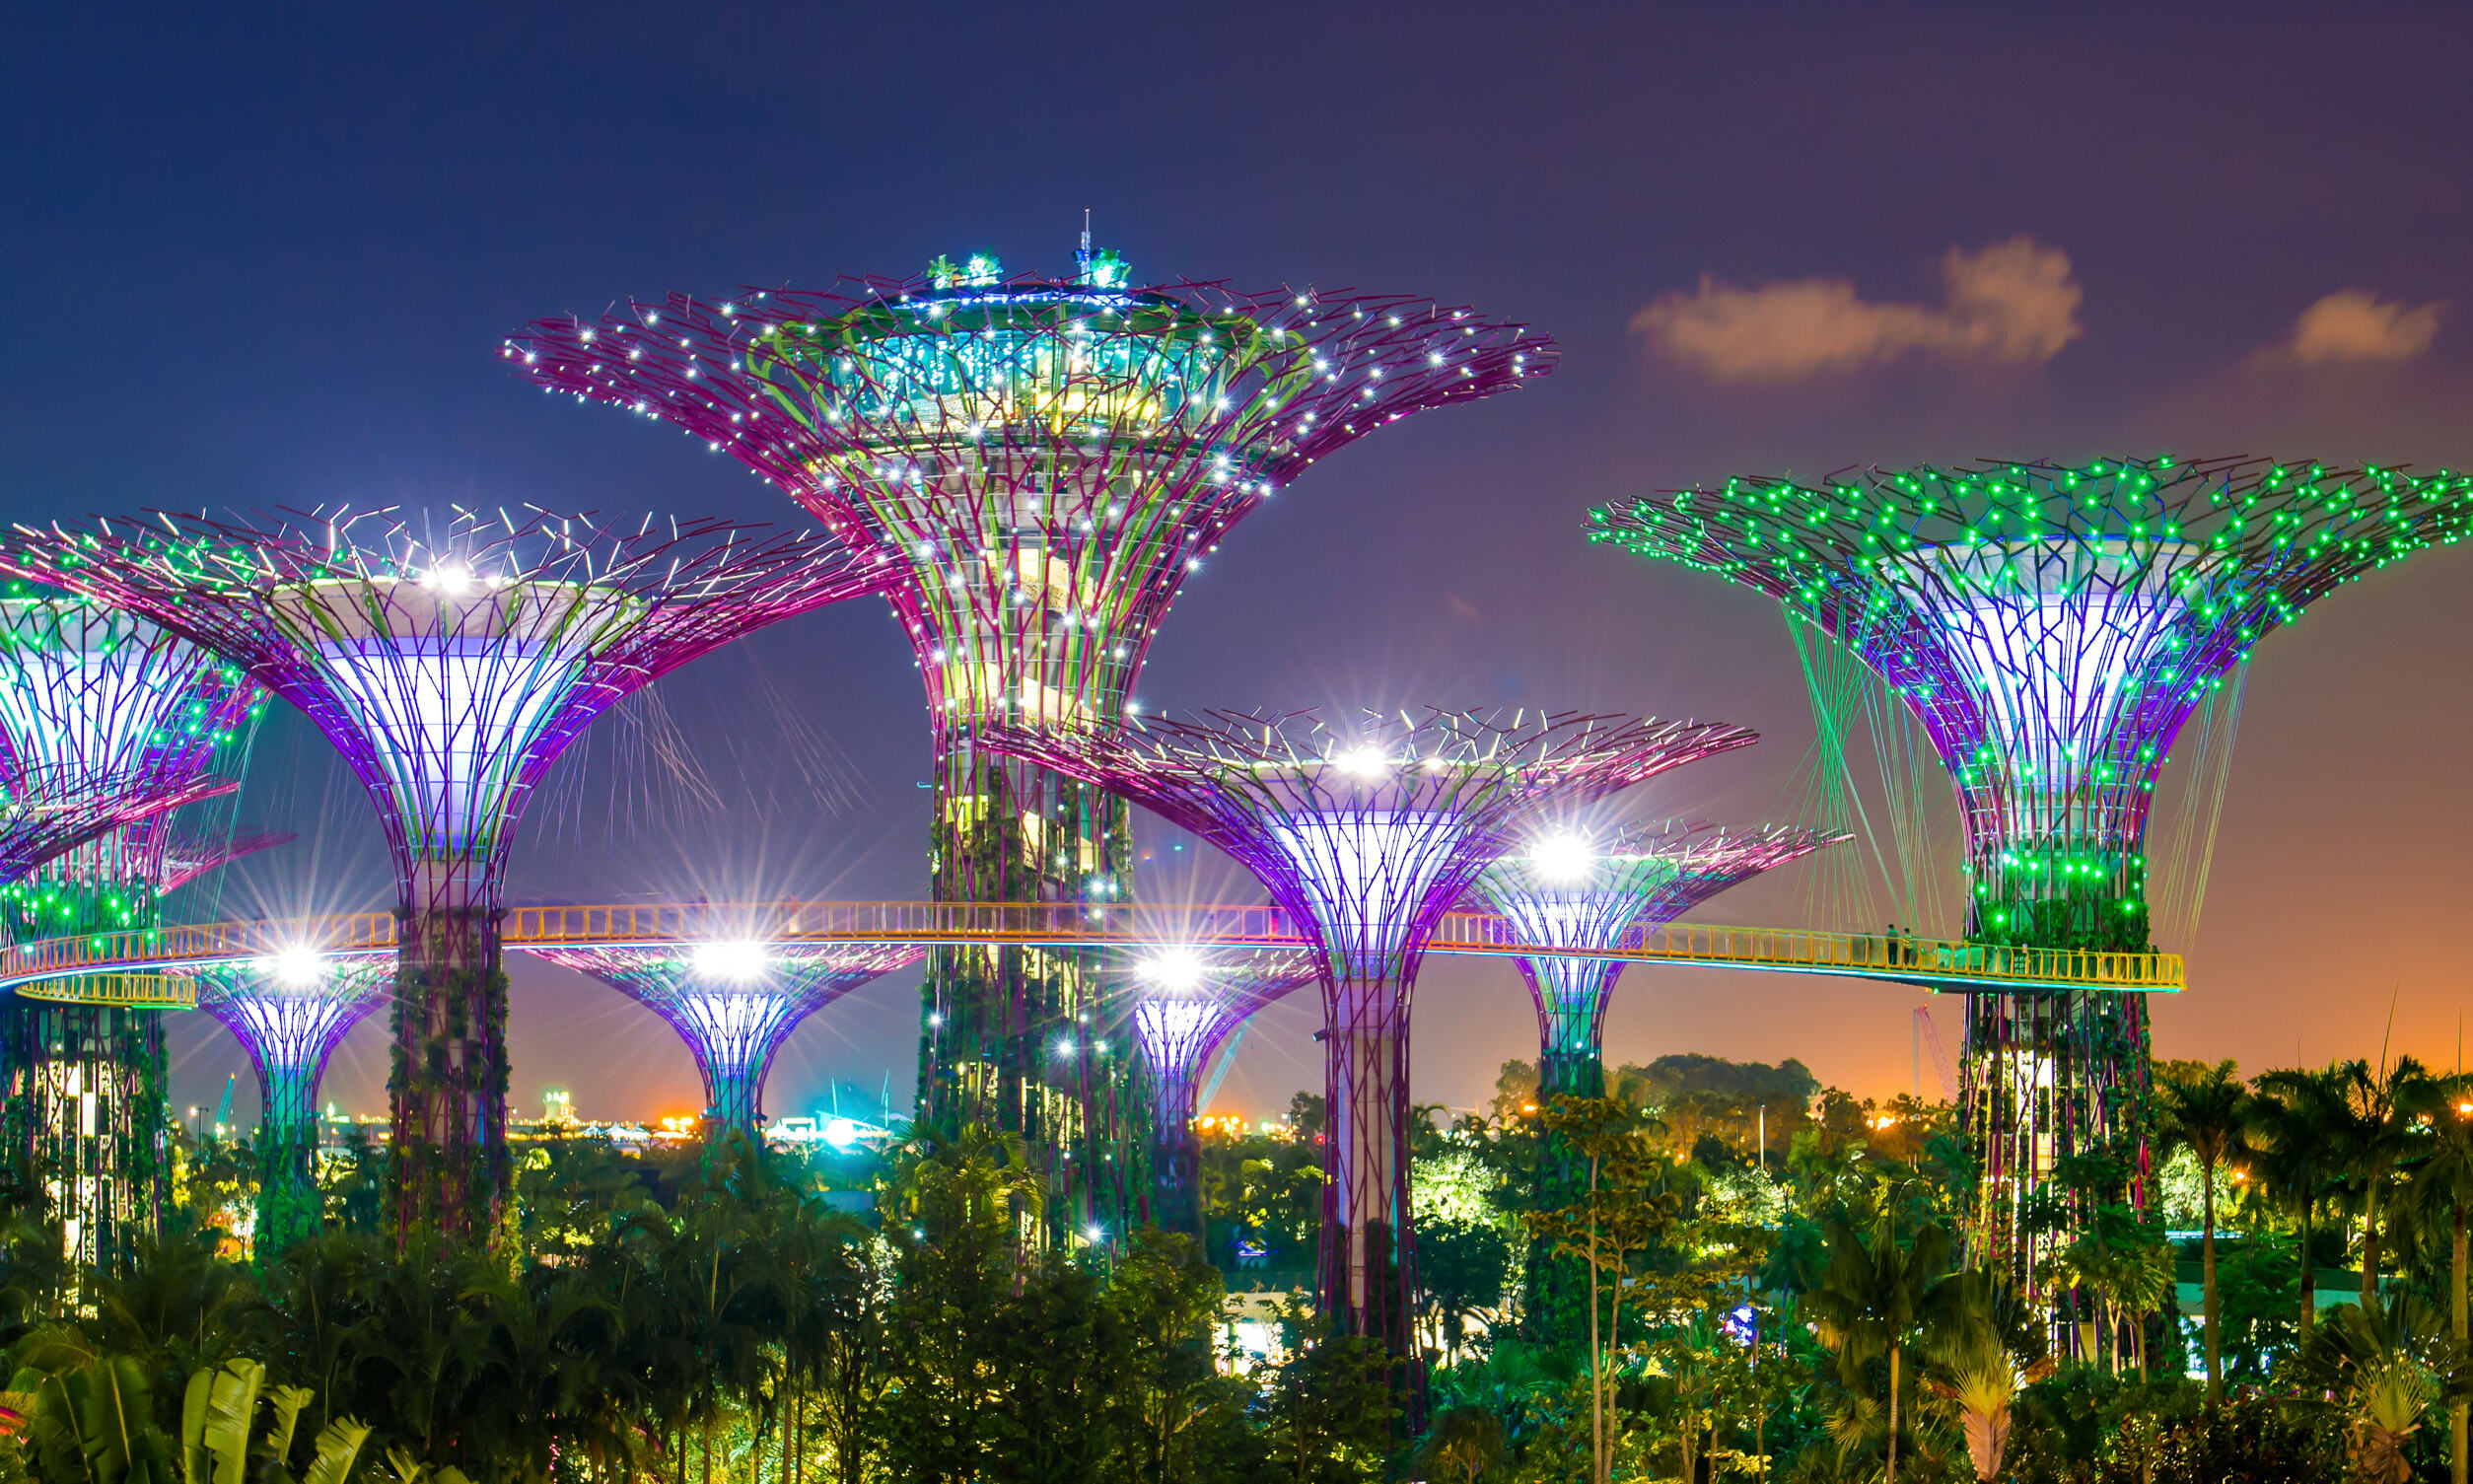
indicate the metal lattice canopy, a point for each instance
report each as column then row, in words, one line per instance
column 734, row 1003
column 1368, row 827
column 449, row 665
column 1045, row 459
column 291, row 1010
column 1185, row 1006
column 1569, row 889
column 103, row 715
column 2051, row 627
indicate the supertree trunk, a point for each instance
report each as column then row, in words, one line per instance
column 1012, row 1038
column 289, row 1209
column 85, row 1101
column 448, row 1159
column 2050, row 1076
column 1173, row 1201
column 729, row 1097
column 1367, row 1261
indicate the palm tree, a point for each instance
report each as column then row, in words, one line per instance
column 2440, row 1193
column 2298, row 1116
column 2208, row 1115
column 2372, row 1142
column 1870, row 1296
column 2384, row 1365
column 1975, row 1370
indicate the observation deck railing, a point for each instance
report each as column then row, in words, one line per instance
column 1939, row 964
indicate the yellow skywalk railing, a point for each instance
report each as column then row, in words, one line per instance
column 1936, row 964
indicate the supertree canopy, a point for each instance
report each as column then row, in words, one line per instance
column 1045, row 460
column 2052, row 628
column 1183, row 1009
column 734, row 1002
column 450, row 667
column 1366, row 830
column 110, row 723
column 1564, row 889
column 290, row 1011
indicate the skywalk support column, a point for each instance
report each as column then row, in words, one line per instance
column 1367, row 829
column 451, row 667
column 1043, row 463
column 2052, row 628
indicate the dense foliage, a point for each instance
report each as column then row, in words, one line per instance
column 1713, row 1272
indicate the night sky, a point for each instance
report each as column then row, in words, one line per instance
column 267, row 260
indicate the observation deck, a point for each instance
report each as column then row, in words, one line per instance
column 149, row 968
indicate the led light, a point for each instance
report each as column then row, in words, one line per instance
column 1178, row 971
column 1564, row 856
column 296, row 967
column 737, row 962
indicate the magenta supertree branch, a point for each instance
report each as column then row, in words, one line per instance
column 188, row 855
column 734, row 1002
column 1565, row 888
column 449, row 665
column 1185, row 1007
column 1367, row 829
column 2052, row 628
column 290, row 1011
column 1044, row 461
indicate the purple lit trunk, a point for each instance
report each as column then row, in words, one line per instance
column 1367, row 1248
column 448, row 1153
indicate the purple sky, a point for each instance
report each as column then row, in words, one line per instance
column 268, row 261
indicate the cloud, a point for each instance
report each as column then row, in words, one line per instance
column 2012, row 303
column 2353, row 325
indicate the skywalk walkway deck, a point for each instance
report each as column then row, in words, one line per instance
column 147, row 968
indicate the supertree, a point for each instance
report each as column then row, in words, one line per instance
column 1566, row 889
column 733, row 1002
column 1183, row 1009
column 2051, row 629
column 1045, row 460
column 290, row 1011
column 117, row 723
column 1366, row 830
column 449, row 665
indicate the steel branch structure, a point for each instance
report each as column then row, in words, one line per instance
column 1369, row 828
column 189, row 854
column 734, row 1003
column 1183, row 1009
column 1569, row 891
column 2052, row 628
column 290, row 1011
column 108, row 722
column 1044, row 460
column 450, row 667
